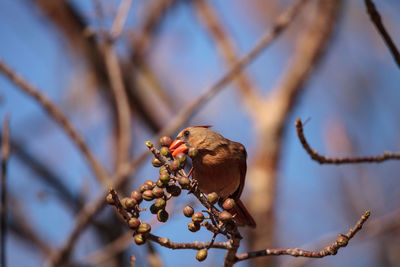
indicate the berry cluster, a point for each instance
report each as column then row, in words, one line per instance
column 170, row 183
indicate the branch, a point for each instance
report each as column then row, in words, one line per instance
column 122, row 104
column 152, row 22
column 5, row 153
column 120, row 19
column 85, row 216
column 45, row 174
column 377, row 21
column 332, row 249
column 165, row 242
column 20, row 225
column 53, row 111
column 325, row 160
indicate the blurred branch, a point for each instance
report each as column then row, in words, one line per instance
column 152, row 21
column 109, row 250
column 44, row 173
column 226, row 48
column 53, row 111
column 141, row 75
column 153, row 258
column 271, row 117
column 120, row 19
column 190, row 109
column 117, row 85
column 115, row 247
column 332, row 249
column 84, row 42
column 20, row 225
column 86, row 215
column 5, row 153
column 80, row 37
column 122, row 105
column 377, row 21
column 325, row 160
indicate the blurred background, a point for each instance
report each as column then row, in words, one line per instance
column 329, row 65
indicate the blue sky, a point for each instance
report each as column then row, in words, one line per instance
column 356, row 85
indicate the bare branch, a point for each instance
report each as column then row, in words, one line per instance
column 326, row 160
column 165, row 242
column 332, row 249
column 377, row 21
column 5, row 153
column 53, row 111
column 122, row 104
column 120, row 18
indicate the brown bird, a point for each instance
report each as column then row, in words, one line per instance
column 219, row 166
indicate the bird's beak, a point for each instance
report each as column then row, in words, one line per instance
column 177, row 146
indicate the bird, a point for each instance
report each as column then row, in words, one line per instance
column 219, row 166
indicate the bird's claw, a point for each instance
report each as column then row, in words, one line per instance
column 194, row 185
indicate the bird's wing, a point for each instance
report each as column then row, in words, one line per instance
column 242, row 172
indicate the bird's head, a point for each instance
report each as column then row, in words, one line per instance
column 200, row 137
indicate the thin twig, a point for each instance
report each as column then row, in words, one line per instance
column 377, row 21
column 120, row 19
column 165, row 242
column 5, row 153
column 53, row 111
column 332, row 249
column 326, row 160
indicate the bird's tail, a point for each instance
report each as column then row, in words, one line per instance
column 242, row 216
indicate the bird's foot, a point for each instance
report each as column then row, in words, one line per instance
column 194, row 186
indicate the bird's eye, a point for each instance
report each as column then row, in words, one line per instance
column 186, row 133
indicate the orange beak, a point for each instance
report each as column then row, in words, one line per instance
column 177, row 146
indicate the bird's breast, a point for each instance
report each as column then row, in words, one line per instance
column 217, row 174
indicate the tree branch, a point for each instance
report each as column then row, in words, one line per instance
column 377, row 21
column 120, row 19
column 165, row 242
column 5, row 153
column 326, row 160
column 53, row 111
column 332, row 249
